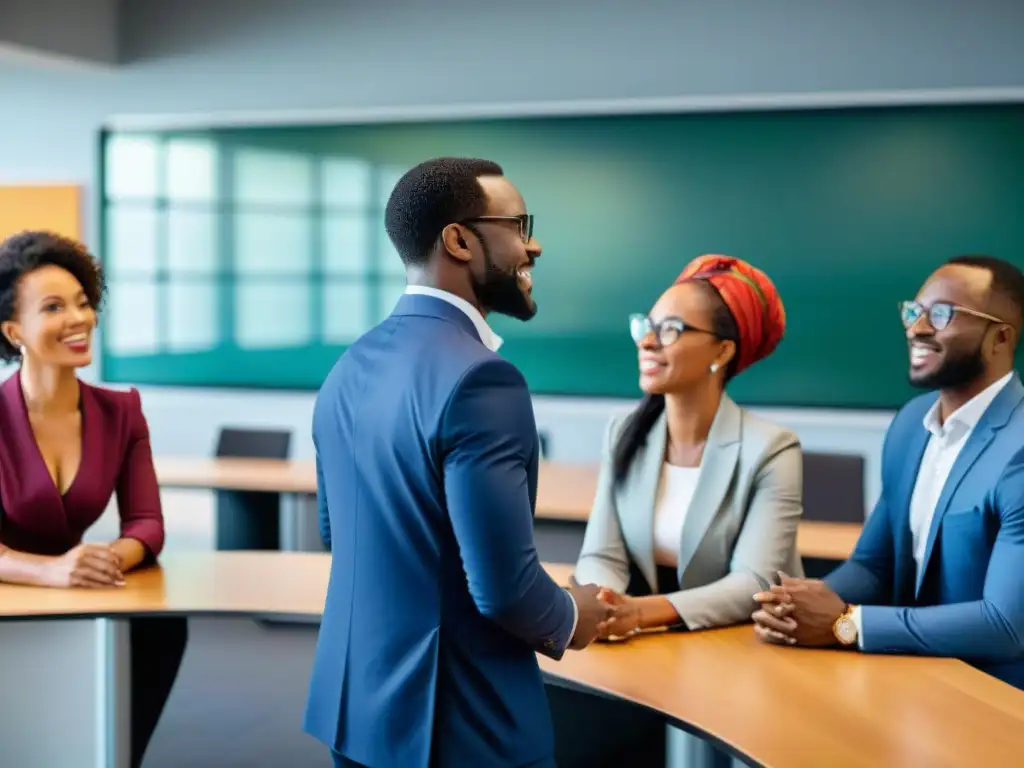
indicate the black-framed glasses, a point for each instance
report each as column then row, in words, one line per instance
column 525, row 221
column 667, row 331
column 940, row 314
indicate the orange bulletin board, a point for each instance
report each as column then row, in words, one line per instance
column 56, row 208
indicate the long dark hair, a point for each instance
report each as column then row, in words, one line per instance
column 638, row 426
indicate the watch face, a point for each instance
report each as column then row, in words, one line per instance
column 846, row 631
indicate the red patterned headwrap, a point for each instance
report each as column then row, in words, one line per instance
column 751, row 297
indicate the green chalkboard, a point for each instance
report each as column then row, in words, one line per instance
column 250, row 257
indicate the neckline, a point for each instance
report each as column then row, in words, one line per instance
column 39, row 452
column 678, row 468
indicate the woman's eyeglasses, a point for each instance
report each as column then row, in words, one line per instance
column 667, row 331
column 525, row 222
column 940, row 314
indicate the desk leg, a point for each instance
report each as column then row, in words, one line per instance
column 113, row 693
column 300, row 526
column 72, row 683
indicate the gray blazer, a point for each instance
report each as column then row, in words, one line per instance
column 739, row 531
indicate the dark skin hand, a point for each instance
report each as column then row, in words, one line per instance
column 798, row 612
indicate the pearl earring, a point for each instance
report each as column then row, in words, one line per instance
column 714, row 367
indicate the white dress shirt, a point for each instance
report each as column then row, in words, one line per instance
column 490, row 339
column 493, row 342
column 675, row 492
column 947, row 440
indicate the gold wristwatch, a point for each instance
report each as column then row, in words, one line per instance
column 844, row 627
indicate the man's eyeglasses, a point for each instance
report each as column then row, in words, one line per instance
column 940, row 314
column 666, row 332
column 525, row 222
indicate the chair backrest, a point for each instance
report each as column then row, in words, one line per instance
column 253, row 443
column 834, row 487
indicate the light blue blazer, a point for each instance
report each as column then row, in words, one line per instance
column 969, row 600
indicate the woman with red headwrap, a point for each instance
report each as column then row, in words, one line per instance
column 698, row 500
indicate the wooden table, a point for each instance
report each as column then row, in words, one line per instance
column 565, row 493
column 777, row 707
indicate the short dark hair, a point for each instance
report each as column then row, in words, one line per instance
column 431, row 196
column 1007, row 279
column 27, row 251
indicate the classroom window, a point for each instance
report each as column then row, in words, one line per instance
column 132, row 241
column 132, row 311
column 191, row 242
column 271, row 244
column 347, row 311
column 229, row 263
column 192, row 171
column 132, row 167
column 270, row 313
column 193, row 314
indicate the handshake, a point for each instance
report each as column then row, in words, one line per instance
column 604, row 614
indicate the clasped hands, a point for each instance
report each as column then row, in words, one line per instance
column 87, row 565
column 798, row 612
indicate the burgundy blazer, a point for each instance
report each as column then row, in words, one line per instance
column 116, row 458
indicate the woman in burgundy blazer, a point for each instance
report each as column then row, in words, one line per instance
column 66, row 448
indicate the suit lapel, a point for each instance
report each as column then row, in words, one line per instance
column 914, row 453
column 637, row 517
column 717, row 470
column 994, row 419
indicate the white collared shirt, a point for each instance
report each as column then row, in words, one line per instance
column 944, row 446
column 490, row 339
column 493, row 342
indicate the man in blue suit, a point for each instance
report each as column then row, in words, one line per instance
column 427, row 456
column 939, row 567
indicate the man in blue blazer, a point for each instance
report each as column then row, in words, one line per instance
column 427, row 457
column 939, row 567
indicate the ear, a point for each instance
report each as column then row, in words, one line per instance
column 10, row 332
column 1005, row 338
column 455, row 240
column 726, row 352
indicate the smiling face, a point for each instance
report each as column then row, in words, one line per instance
column 502, row 263
column 53, row 320
column 675, row 360
column 959, row 354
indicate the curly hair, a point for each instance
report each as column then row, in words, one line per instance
column 27, row 251
column 431, row 196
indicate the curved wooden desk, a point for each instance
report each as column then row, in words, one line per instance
column 772, row 706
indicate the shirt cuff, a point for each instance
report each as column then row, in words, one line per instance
column 575, row 619
column 855, row 618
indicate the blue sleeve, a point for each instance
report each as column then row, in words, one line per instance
column 989, row 629
column 322, row 514
column 869, row 573
column 867, row 576
column 488, row 439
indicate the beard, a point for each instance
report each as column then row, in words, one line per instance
column 498, row 290
column 955, row 372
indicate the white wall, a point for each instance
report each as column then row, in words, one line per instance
column 198, row 57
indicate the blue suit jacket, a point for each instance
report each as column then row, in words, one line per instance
column 437, row 603
column 969, row 600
